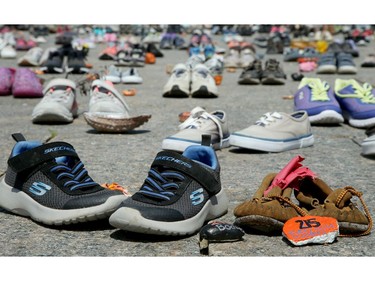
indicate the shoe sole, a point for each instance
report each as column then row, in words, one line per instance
column 249, row 81
column 273, row 81
column 52, row 69
column 180, row 144
column 326, row 117
column 110, row 123
column 326, row 69
column 360, row 123
column 203, row 92
column 175, row 92
column 132, row 80
column 53, row 115
column 259, row 223
column 113, row 79
column 18, row 202
column 347, row 70
column 271, row 145
column 131, row 220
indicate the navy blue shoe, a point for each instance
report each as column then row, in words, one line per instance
column 49, row 184
column 180, row 193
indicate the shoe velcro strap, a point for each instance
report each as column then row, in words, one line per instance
column 41, row 154
column 189, row 167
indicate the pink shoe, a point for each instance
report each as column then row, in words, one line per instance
column 307, row 66
column 31, row 44
column 26, row 84
column 6, row 80
column 21, row 44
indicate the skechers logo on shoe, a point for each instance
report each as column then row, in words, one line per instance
column 39, row 188
column 172, row 159
column 58, row 148
column 197, row 197
column 300, row 95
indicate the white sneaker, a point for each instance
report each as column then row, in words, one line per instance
column 106, row 100
column 202, row 83
column 112, row 74
column 247, row 57
column 178, row 84
column 201, row 123
column 8, row 52
column 31, row 58
column 59, row 104
column 276, row 132
column 215, row 64
column 131, row 76
column 232, row 59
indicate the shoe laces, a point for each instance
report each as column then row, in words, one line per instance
column 353, row 191
column 74, row 178
column 202, row 118
column 268, row 118
column 59, row 93
column 102, row 93
column 272, row 65
column 161, row 185
column 319, row 90
column 365, row 93
column 192, row 118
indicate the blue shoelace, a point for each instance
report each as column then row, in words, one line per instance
column 77, row 175
column 161, row 185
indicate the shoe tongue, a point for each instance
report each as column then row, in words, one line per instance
column 275, row 191
column 66, row 160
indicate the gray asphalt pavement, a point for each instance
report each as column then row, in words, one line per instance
column 126, row 158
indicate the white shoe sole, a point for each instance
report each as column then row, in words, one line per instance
column 270, row 145
column 18, row 202
column 180, row 145
column 131, row 220
column 326, row 117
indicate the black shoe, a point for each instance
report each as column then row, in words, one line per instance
column 251, row 75
column 49, row 184
column 137, row 56
column 273, row 74
column 180, row 193
column 54, row 63
column 76, row 62
column 151, row 48
column 275, row 45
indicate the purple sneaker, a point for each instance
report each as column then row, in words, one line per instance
column 318, row 100
column 6, row 81
column 26, row 84
column 357, row 102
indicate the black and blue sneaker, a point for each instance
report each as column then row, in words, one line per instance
column 180, row 193
column 49, row 184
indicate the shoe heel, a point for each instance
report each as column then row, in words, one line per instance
column 218, row 205
column 225, row 143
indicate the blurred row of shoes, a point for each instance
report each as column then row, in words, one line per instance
column 128, row 54
column 197, row 77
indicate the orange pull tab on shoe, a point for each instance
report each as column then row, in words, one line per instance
column 311, row 230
